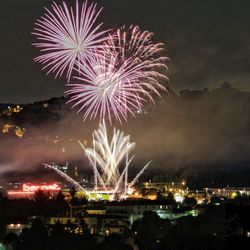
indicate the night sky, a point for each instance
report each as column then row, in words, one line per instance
column 208, row 43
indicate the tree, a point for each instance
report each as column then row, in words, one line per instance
column 11, row 241
column 160, row 196
column 170, row 199
column 215, row 200
column 189, row 202
column 41, row 199
column 72, row 192
column 114, row 242
column 148, row 229
column 34, row 238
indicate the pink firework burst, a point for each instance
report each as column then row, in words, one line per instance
column 134, row 43
column 67, row 35
column 106, row 90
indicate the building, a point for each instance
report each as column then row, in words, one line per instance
column 104, row 224
column 229, row 192
column 134, row 209
column 16, row 228
column 165, row 186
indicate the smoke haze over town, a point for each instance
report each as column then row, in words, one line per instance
column 190, row 133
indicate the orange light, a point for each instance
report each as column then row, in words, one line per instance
column 19, row 192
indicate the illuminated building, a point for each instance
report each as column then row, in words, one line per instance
column 19, row 132
column 96, row 223
column 178, row 189
column 45, row 105
column 166, row 186
column 10, row 110
column 16, row 228
column 229, row 192
column 116, row 227
column 6, row 128
column 134, row 209
column 100, row 195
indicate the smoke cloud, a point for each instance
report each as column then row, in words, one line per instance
column 192, row 129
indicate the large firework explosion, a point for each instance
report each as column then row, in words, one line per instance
column 67, row 35
column 137, row 45
column 106, row 157
column 109, row 91
column 114, row 75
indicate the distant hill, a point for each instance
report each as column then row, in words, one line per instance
column 201, row 133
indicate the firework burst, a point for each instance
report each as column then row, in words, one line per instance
column 110, row 91
column 139, row 46
column 109, row 154
column 67, row 35
column 106, row 156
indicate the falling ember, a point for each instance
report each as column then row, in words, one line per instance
column 66, row 35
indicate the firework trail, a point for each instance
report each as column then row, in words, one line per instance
column 108, row 91
column 118, row 186
column 139, row 175
column 66, row 177
column 108, row 154
column 67, row 35
column 106, row 157
column 138, row 45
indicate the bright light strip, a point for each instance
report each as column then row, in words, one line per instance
column 33, row 188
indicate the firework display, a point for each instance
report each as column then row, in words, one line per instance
column 106, row 157
column 110, row 92
column 110, row 77
column 67, row 35
column 137, row 45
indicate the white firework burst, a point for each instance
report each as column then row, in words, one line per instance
column 138, row 45
column 109, row 91
column 67, row 35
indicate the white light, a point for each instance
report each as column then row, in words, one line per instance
column 178, row 198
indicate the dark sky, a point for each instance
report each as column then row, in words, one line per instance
column 208, row 42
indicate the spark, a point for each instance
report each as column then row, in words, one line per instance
column 67, row 35
column 107, row 156
column 66, row 177
column 109, row 92
column 134, row 43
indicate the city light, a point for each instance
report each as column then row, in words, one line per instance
column 34, row 188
